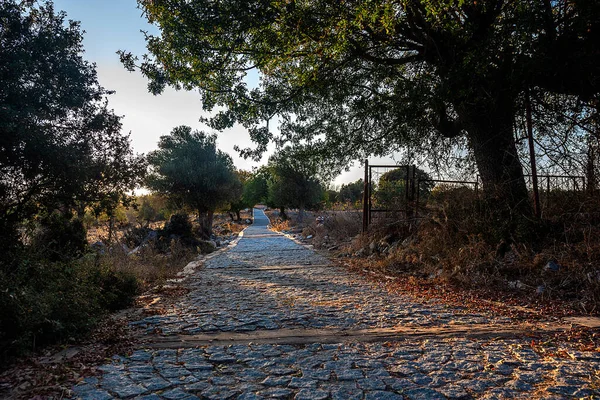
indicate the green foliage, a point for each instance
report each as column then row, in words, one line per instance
column 241, row 200
column 135, row 236
column 146, row 212
column 61, row 152
column 256, row 189
column 152, row 208
column 61, row 145
column 331, row 197
column 352, row 192
column 60, row 237
column 190, row 170
column 42, row 301
column 293, row 182
column 178, row 225
column 348, row 79
column 391, row 189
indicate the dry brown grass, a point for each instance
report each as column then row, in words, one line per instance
column 452, row 243
column 279, row 225
column 149, row 265
column 336, row 229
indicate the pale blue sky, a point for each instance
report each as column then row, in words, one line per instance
column 112, row 25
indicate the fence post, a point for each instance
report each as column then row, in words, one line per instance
column 534, row 178
column 366, row 198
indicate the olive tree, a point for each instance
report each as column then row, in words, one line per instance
column 188, row 168
column 294, row 182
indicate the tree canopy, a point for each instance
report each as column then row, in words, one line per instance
column 293, row 182
column 352, row 192
column 242, row 201
column 60, row 145
column 256, row 190
column 391, row 187
column 190, row 169
column 353, row 78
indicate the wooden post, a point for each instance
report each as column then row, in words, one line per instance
column 547, row 190
column 406, row 185
column 370, row 202
column 410, row 214
column 366, row 197
column 534, row 180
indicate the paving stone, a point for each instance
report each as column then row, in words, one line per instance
column 454, row 392
column 219, row 393
column 142, row 369
column 502, row 393
column 280, row 371
column 249, row 396
column 311, row 394
column 382, row 395
column 221, row 358
column 317, row 374
column 423, row 394
column 156, row 383
column 276, row 393
column 371, row 384
column 251, row 375
column 349, row 374
column 127, row 391
column 196, row 387
column 175, row 394
column 233, row 292
column 563, row 390
column 223, row 380
column 519, row 385
column 398, row 384
column 346, row 393
column 149, row 397
column 174, row 372
column 297, row 383
column 94, row 394
column 276, row 381
column 476, row 385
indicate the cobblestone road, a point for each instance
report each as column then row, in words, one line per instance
column 268, row 283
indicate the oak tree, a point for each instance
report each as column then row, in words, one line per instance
column 294, row 182
column 354, row 78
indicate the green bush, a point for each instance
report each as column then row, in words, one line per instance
column 135, row 236
column 60, row 237
column 43, row 301
column 178, row 225
column 117, row 288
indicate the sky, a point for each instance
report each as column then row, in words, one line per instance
column 112, row 25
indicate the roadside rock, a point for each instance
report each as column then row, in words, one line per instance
column 552, row 266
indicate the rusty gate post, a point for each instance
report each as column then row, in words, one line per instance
column 534, row 177
column 366, row 198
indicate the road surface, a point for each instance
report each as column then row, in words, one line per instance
column 270, row 318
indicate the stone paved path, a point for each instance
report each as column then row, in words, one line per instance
column 268, row 286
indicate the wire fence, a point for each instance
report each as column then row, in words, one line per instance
column 406, row 193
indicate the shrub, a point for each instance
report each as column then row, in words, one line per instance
column 43, row 301
column 135, row 236
column 178, row 225
column 60, row 237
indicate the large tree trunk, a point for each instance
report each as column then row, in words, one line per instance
column 205, row 218
column 300, row 218
column 282, row 214
column 591, row 165
column 491, row 138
